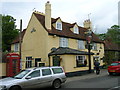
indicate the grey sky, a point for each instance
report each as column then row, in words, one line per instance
column 104, row 13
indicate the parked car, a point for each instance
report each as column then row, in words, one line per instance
column 114, row 68
column 35, row 78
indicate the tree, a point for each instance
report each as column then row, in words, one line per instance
column 111, row 40
column 102, row 36
column 9, row 32
column 114, row 34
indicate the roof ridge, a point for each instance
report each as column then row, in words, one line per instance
column 37, row 12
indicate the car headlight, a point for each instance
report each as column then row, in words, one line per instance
column 2, row 87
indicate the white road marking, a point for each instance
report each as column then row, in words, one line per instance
column 114, row 88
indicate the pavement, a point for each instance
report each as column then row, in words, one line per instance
column 103, row 72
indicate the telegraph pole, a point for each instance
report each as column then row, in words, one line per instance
column 20, row 41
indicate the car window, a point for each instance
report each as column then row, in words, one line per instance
column 115, row 64
column 46, row 72
column 35, row 74
column 57, row 70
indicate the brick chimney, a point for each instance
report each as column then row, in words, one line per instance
column 48, row 15
column 87, row 24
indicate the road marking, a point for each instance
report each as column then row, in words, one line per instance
column 114, row 88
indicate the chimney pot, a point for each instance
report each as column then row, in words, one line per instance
column 48, row 1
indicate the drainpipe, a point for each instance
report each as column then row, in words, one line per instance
column 20, row 42
column 49, row 60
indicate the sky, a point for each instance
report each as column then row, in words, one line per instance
column 102, row 13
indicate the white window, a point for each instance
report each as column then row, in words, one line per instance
column 81, row 61
column 63, row 42
column 94, row 47
column 16, row 47
column 81, row 44
column 59, row 25
column 28, row 62
column 76, row 30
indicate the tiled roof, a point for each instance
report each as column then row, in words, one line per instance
column 66, row 50
column 109, row 46
column 17, row 38
column 65, row 32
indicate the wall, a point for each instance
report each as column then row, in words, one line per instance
column 35, row 44
column 54, row 42
column 68, row 63
column 38, row 44
column 100, row 50
column 2, row 69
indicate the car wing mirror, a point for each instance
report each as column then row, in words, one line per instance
column 28, row 77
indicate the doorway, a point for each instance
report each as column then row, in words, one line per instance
column 56, row 60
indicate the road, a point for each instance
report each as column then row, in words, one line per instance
column 105, row 82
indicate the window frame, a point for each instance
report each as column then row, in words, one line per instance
column 76, row 30
column 28, row 62
column 94, row 47
column 81, row 44
column 16, row 47
column 59, row 25
column 63, row 42
column 80, row 63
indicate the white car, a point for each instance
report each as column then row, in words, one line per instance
column 35, row 78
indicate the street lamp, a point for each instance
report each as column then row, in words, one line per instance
column 89, row 46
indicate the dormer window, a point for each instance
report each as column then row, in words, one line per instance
column 76, row 30
column 59, row 25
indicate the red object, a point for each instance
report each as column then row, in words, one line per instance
column 114, row 67
column 13, row 64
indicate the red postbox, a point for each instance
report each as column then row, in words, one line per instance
column 12, row 64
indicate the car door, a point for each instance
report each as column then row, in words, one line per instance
column 46, row 78
column 32, row 80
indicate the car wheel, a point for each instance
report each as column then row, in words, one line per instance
column 56, row 84
column 15, row 88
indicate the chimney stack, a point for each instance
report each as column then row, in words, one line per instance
column 87, row 24
column 48, row 15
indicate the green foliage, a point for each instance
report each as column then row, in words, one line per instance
column 102, row 36
column 9, row 32
column 114, row 34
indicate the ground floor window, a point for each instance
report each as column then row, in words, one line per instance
column 81, row 61
column 28, row 62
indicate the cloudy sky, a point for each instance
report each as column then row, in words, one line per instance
column 103, row 13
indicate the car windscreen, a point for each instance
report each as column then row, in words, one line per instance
column 21, row 74
column 115, row 64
